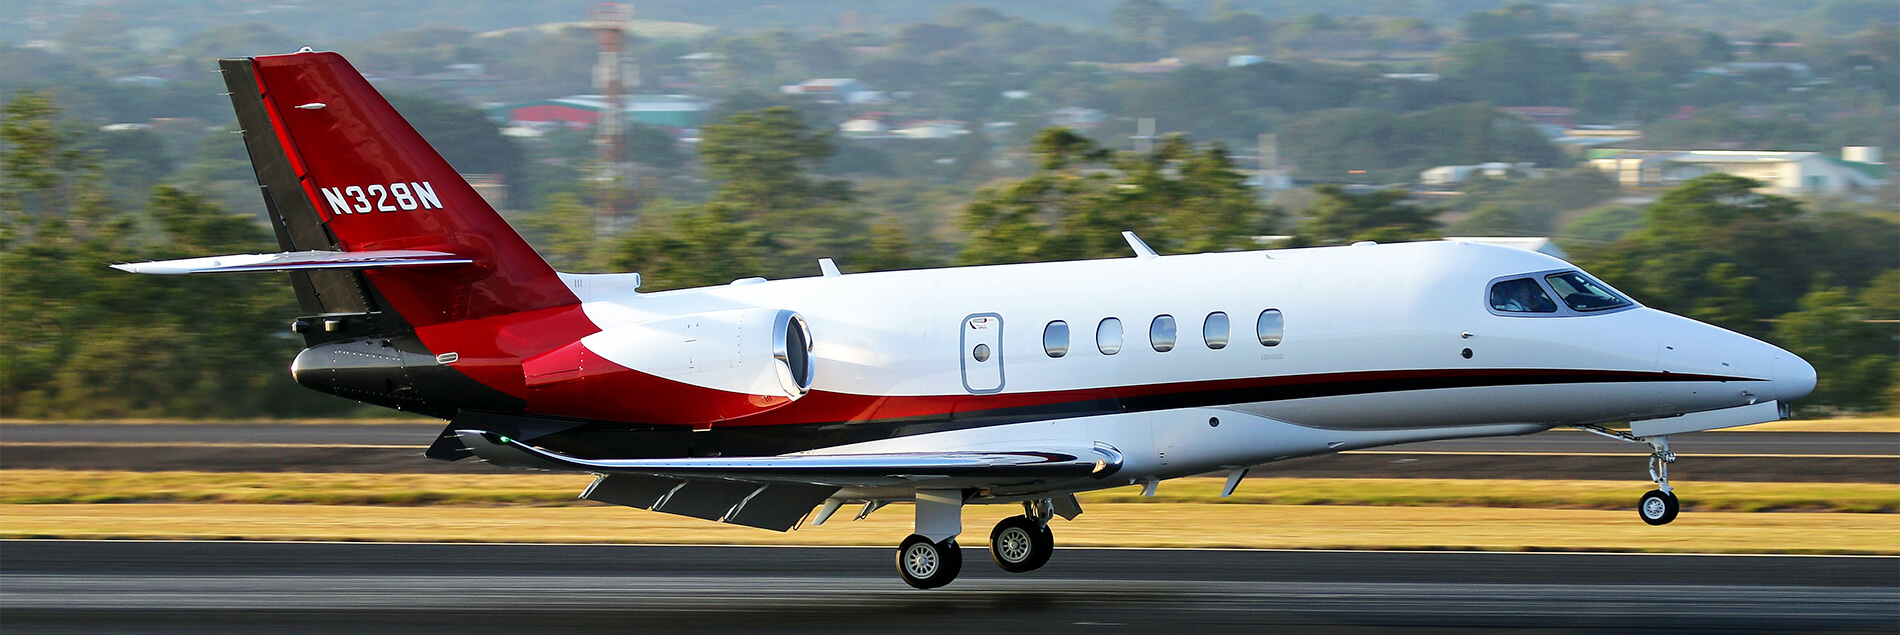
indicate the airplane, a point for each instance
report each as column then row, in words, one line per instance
column 754, row 402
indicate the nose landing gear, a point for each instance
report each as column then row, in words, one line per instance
column 1658, row 506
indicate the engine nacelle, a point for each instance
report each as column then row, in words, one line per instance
column 690, row 370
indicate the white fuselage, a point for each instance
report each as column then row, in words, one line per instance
column 1392, row 318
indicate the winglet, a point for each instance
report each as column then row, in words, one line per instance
column 1142, row 250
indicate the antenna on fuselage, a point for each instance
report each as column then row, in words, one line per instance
column 1142, row 250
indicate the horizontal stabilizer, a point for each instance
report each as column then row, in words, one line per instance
column 835, row 469
column 298, row 261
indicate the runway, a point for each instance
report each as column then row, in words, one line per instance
column 93, row 587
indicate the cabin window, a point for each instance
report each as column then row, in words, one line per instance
column 1214, row 330
column 1108, row 336
column 1521, row 295
column 1055, row 339
column 981, row 353
column 1271, row 327
column 1161, row 333
column 1583, row 293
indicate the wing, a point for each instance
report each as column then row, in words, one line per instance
column 842, row 470
column 298, row 261
column 775, row 492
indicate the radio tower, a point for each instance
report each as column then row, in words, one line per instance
column 610, row 24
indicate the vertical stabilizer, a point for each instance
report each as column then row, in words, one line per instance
column 341, row 169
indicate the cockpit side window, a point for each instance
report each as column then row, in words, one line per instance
column 1582, row 293
column 1521, row 295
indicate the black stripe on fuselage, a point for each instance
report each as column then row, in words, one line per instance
column 619, row 440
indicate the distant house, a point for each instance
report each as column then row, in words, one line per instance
column 1454, row 174
column 842, row 90
column 1077, row 117
column 932, row 129
column 865, row 125
column 583, row 111
column 1859, row 170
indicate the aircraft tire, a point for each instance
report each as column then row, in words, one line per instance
column 1019, row 544
column 927, row 565
column 1658, row 507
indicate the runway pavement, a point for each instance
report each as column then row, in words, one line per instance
column 144, row 587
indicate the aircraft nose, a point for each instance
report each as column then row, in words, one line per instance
column 1793, row 377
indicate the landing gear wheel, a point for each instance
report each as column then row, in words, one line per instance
column 1019, row 544
column 928, row 565
column 1658, row 507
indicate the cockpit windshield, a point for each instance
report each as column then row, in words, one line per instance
column 1582, row 293
column 1521, row 295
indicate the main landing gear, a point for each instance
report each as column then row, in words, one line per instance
column 1021, row 544
column 1658, row 506
column 931, row 558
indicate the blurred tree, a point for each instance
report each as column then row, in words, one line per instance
column 769, row 217
column 1720, row 218
column 1340, row 217
column 1082, row 197
column 563, row 231
column 39, row 160
column 1853, row 358
column 653, row 147
column 1517, row 71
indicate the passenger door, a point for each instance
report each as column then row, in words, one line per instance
column 982, row 353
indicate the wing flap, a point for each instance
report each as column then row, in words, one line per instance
column 821, row 469
column 298, row 261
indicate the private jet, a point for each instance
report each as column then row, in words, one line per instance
column 777, row 403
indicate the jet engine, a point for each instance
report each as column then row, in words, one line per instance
column 690, row 370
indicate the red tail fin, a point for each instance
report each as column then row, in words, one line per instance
column 375, row 184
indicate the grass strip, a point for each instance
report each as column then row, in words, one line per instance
column 38, row 487
column 1101, row 525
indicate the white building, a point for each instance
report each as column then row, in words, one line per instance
column 1859, row 171
column 933, row 129
column 1454, row 174
column 842, row 90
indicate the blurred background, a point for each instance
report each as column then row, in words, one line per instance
column 1722, row 159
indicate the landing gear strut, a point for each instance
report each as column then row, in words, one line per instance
column 931, row 558
column 1658, row 506
column 1021, row 544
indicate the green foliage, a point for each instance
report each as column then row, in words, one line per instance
column 1602, row 226
column 39, row 159
column 1517, row 71
column 1528, row 206
column 78, row 339
column 1339, row 217
column 1082, row 197
column 1716, row 250
column 563, row 231
column 1854, row 359
column 1363, row 145
column 768, row 217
